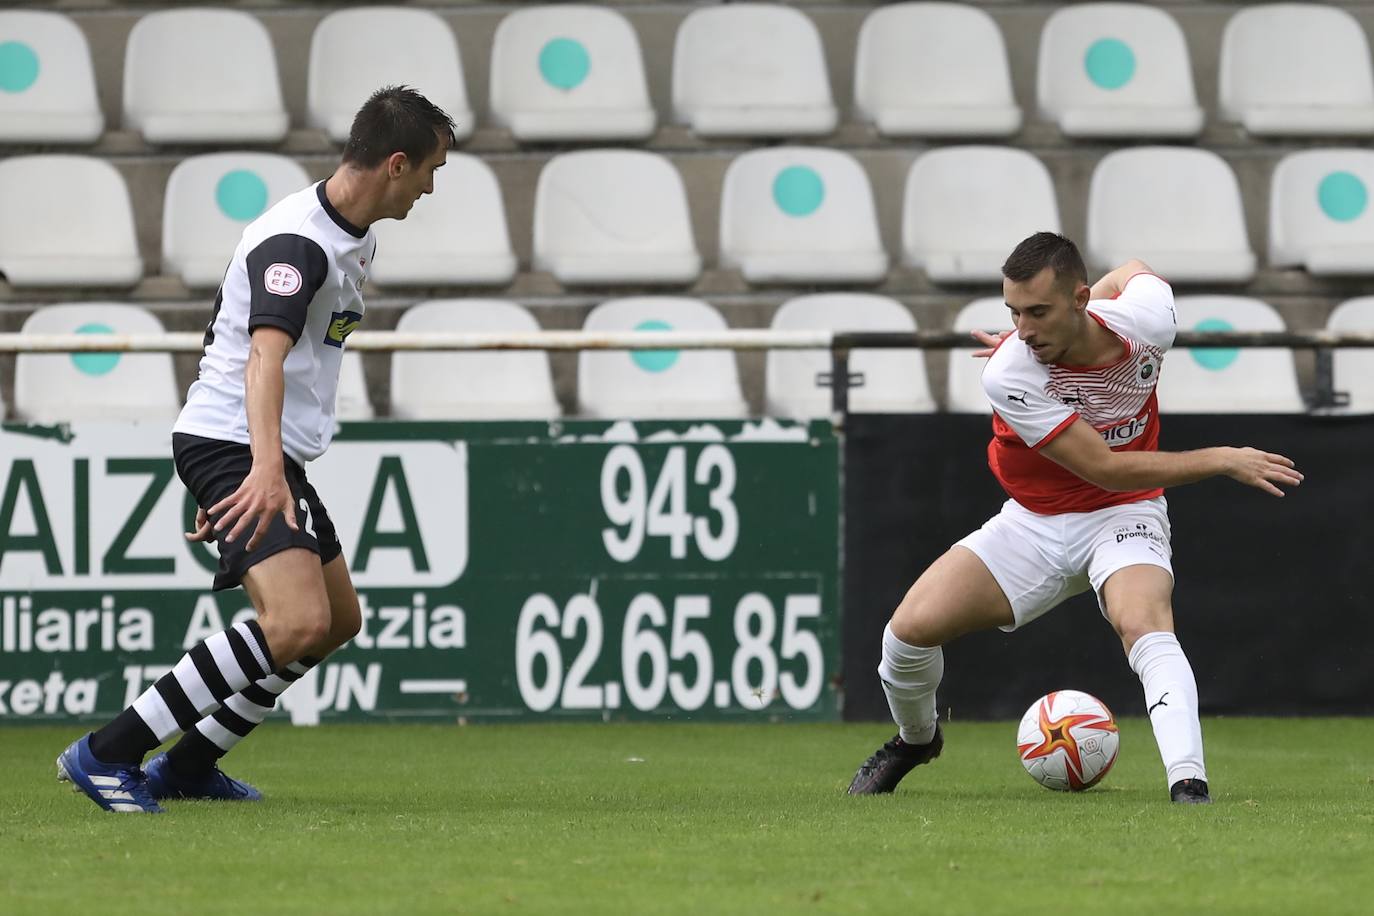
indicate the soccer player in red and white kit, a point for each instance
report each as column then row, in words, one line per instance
column 1076, row 447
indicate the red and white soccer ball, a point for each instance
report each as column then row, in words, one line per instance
column 1068, row 740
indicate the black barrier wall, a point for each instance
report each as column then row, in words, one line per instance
column 1273, row 602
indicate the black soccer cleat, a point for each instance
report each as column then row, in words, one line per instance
column 880, row 773
column 1190, row 792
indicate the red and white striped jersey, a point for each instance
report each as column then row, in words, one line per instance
column 1033, row 403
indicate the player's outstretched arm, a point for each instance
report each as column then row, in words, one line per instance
column 1112, row 284
column 1080, row 449
column 264, row 492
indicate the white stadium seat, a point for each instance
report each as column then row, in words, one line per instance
column 687, row 384
column 1116, row 70
column 1296, row 69
column 751, row 70
column 470, row 385
column 351, row 401
column 569, row 72
column 967, row 207
column 209, row 201
column 65, row 387
column 934, row 69
column 800, row 214
column 1240, row 380
column 613, row 216
column 457, row 235
column 1352, row 369
column 355, row 51
column 66, row 221
column 47, row 82
column 964, row 381
column 202, row 76
column 894, row 381
column 1319, row 212
column 1179, row 210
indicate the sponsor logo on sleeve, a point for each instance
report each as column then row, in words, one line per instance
column 281, row 279
column 341, row 324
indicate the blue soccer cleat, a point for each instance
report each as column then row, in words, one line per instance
column 214, row 785
column 112, row 786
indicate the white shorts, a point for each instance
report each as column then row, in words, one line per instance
column 1041, row 560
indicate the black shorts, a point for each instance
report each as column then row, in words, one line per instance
column 213, row 469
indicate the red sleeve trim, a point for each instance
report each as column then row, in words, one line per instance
column 1070, row 420
column 1140, row 273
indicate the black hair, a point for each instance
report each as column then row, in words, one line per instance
column 397, row 119
column 1045, row 249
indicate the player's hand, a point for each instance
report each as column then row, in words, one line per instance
column 259, row 499
column 1262, row 470
column 203, row 530
column 989, row 342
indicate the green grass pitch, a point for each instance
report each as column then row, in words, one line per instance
column 690, row 818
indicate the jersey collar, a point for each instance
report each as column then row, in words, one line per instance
column 335, row 215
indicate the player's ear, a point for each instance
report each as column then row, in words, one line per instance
column 1082, row 296
column 396, row 164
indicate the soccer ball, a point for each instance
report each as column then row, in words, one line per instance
column 1068, row 740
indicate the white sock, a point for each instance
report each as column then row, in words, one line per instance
column 1171, row 703
column 910, row 675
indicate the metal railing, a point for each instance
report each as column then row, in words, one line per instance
column 839, row 343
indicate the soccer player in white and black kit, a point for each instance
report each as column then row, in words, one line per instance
column 262, row 407
column 1075, row 445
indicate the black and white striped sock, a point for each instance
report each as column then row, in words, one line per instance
column 204, row 678
column 215, row 735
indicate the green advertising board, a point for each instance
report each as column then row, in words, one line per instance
column 506, row 571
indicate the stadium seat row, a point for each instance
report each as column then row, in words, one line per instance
column 681, row 384
column 576, row 72
column 787, row 214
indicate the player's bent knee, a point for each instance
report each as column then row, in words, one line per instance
column 1134, row 625
column 916, row 622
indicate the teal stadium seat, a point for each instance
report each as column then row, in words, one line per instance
column 1353, row 369
column 613, row 216
column 894, row 381
column 67, row 387
column 47, row 82
column 1116, row 70
column 1296, row 69
column 644, row 384
column 1240, row 380
column 176, row 88
column 751, row 70
column 800, row 214
column 66, row 221
column 209, row 201
column 934, row 70
column 1320, row 217
column 966, row 207
column 1179, row 210
column 570, row 72
column 455, row 236
column 471, row 385
column 354, row 51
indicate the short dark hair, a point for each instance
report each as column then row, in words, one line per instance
column 1045, row 249
column 397, row 119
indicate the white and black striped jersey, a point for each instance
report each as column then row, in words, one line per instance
column 300, row 267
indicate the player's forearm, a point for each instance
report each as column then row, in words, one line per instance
column 1126, row 471
column 264, row 392
column 1112, row 284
